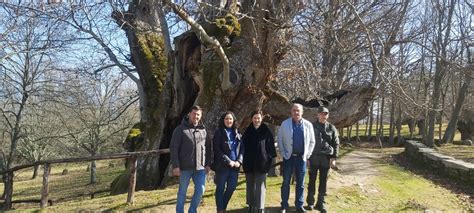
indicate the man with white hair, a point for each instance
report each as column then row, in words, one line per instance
column 295, row 142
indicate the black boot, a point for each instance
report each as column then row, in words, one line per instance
column 320, row 204
column 251, row 209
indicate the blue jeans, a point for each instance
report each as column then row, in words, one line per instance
column 199, row 179
column 298, row 165
column 226, row 182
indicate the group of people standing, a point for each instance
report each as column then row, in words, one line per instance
column 193, row 156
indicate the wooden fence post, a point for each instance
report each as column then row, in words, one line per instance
column 45, row 190
column 133, row 179
column 8, row 191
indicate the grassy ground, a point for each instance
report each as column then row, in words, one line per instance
column 405, row 132
column 396, row 190
column 465, row 153
column 73, row 186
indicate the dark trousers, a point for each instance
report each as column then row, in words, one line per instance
column 323, row 177
column 226, row 182
column 256, row 188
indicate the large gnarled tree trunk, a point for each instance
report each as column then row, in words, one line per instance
column 173, row 81
column 150, row 53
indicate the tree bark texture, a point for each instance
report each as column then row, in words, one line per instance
column 133, row 179
column 7, row 204
column 451, row 129
column 381, row 125
column 45, row 189
column 93, row 177
column 377, row 119
column 421, row 124
column 399, row 123
column 466, row 124
column 357, row 132
column 349, row 134
column 162, row 102
column 412, row 126
column 35, row 172
column 371, row 120
column 392, row 118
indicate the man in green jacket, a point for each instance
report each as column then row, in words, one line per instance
column 323, row 157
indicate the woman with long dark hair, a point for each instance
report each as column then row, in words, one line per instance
column 228, row 156
column 259, row 148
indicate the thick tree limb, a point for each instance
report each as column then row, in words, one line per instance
column 352, row 107
column 349, row 109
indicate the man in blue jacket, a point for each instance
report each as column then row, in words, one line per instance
column 296, row 142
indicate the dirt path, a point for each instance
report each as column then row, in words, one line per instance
column 357, row 168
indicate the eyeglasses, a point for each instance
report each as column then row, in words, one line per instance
column 324, row 113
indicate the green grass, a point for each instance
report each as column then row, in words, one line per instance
column 408, row 188
column 465, row 153
column 73, row 186
column 405, row 132
column 397, row 190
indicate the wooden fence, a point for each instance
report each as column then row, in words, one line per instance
column 131, row 156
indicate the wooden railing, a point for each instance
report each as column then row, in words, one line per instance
column 131, row 156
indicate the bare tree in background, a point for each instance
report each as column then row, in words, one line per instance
column 42, row 132
column 443, row 14
column 97, row 113
column 463, row 91
column 27, row 51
